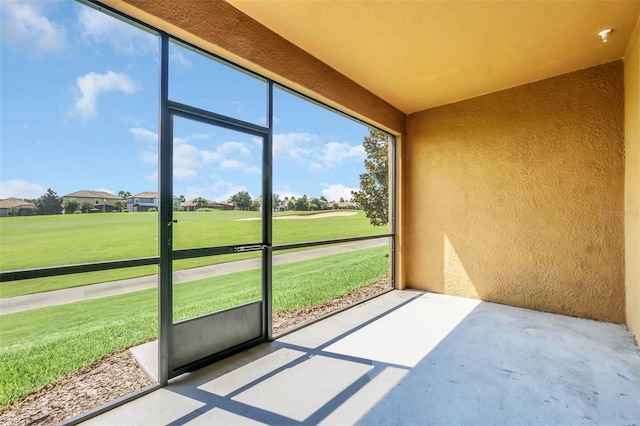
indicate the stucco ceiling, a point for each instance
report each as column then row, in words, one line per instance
column 421, row 54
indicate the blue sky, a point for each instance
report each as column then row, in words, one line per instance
column 79, row 107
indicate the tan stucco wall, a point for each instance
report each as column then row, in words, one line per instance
column 512, row 197
column 219, row 28
column 632, row 181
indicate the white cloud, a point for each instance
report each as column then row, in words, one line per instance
column 142, row 134
column 153, row 177
column 19, row 188
column 98, row 27
column 293, row 145
column 219, row 191
column 26, row 30
column 238, row 165
column 306, row 149
column 337, row 191
column 178, row 58
column 225, row 150
column 92, row 85
column 211, row 156
column 337, row 152
column 187, row 160
column 229, row 148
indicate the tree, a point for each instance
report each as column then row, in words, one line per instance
column 200, row 203
column 373, row 196
column 302, row 204
column 123, row 196
column 70, row 206
column 49, row 203
column 241, row 200
column 315, row 204
column 14, row 211
column 324, row 203
column 85, row 207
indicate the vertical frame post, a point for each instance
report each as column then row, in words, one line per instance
column 267, row 215
column 165, row 219
column 392, row 209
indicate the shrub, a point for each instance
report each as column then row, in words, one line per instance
column 70, row 206
column 152, row 210
column 86, row 206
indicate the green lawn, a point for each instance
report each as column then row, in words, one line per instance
column 39, row 241
column 40, row 346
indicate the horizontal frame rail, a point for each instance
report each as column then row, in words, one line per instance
column 215, row 251
column 211, row 118
column 25, row 274
column 327, row 242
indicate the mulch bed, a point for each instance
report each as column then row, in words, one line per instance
column 97, row 384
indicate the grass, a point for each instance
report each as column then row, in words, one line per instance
column 40, row 241
column 40, row 346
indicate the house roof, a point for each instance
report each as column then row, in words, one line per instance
column 145, row 195
column 149, row 195
column 191, row 202
column 8, row 203
column 345, row 204
column 420, row 54
column 92, row 194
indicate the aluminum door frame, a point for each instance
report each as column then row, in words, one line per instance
column 171, row 360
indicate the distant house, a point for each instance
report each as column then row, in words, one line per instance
column 347, row 205
column 100, row 200
column 221, row 206
column 17, row 207
column 277, row 206
column 190, row 205
column 144, row 201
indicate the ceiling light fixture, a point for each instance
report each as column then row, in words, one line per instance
column 604, row 34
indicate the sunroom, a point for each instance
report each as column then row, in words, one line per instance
column 512, row 226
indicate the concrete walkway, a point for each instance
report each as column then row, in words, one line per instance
column 75, row 294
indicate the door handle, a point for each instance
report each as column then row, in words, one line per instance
column 255, row 247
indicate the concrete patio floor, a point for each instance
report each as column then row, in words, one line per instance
column 410, row 357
